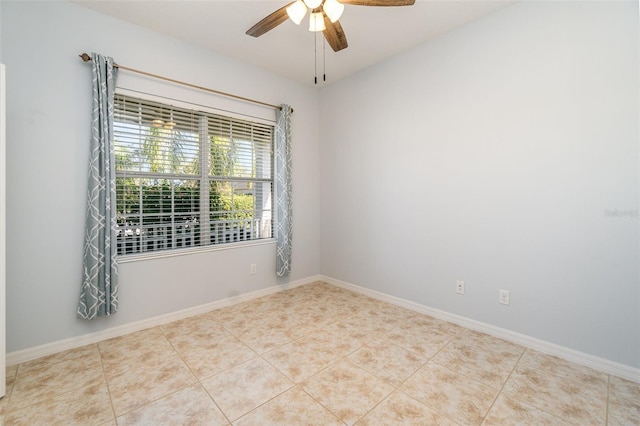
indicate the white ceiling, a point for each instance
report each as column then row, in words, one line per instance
column 373, row 33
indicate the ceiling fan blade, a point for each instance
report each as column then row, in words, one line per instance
column 269, row 22
column 379, row 2
column 334, row 34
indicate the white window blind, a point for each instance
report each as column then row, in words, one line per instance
column 186, row 178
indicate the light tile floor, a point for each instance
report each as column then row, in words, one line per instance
column 313, row 355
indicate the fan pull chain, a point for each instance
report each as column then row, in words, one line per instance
column 324, row 59
column 315, row 57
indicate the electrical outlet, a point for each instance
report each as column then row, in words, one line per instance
column 460, row 287
column 503, row 297
column 254, row 268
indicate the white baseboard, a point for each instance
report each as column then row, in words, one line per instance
column 29, row 354
column 597, row 363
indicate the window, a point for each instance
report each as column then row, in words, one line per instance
column 187, row 178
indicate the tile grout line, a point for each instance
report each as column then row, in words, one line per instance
column 261, row 356
column 270, row 399
column 55, row 395
column 159, row 398
column 515, row 365
column 428, row 359
column 106, row 382
column 294, row 384
column 566, row 378
column 198, row 379
column 464, row 329
column 301, row 384
column 396, row 388
column 322, row 405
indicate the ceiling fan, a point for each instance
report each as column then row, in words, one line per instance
column 323, row 17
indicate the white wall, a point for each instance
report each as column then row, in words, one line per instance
column 48, row 115
column 493, row 155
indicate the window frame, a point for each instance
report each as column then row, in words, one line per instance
column 204, row 177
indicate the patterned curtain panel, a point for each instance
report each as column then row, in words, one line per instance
column 99, row 295
column 283, row 222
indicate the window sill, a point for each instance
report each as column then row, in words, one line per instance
column 192, row 250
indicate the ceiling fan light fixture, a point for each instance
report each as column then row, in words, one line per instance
column 312, row 4
column 333, row 9
column 316, row 22
column 297, row 11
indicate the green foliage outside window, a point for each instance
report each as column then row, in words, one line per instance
column 160, row 182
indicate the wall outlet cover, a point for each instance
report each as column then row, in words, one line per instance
column 503, row 297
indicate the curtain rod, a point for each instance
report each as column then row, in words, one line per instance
column 85, row 57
